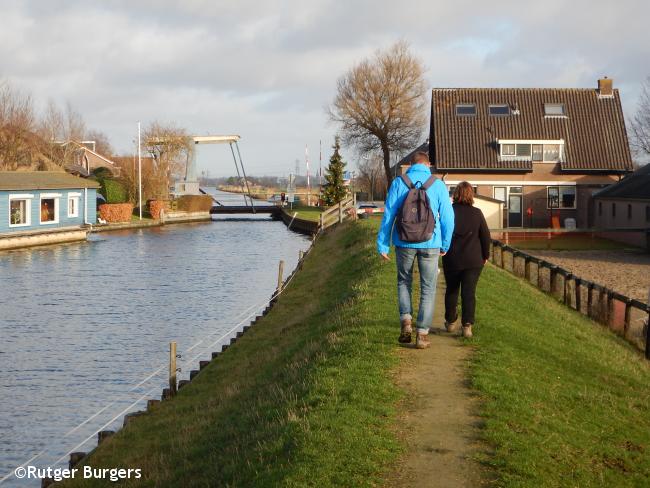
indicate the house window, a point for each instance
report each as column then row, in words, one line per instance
column 508, row 149
column 561, row 197
column 49, row 211
column 73, row 206
column 501, row 193
column 538, row 152
column 523, row 151
column 629, row 211
column 613, row 210
column 554, row 110
column 19, row 212
column 551, row 152
column 499, row 110
column 466, row 109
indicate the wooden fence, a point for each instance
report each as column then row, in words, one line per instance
column 336, row 214
column 623, row 315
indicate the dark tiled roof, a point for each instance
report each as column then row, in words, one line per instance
column 634, row 186
column 593, row 131
column 42, row 180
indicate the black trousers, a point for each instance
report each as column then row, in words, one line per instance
column 463, row 280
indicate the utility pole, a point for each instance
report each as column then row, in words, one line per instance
column 320, row 171
column 139, row 170
column 308, row 182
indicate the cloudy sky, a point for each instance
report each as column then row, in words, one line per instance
column 266, row 69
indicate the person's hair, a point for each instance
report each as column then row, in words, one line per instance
column 464, row 194
column 420, row 157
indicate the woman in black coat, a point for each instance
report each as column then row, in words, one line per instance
column 462, row 265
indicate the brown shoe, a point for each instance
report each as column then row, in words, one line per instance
column 452, row 326
column 467, row 330
column 405, row 336
column 421, row 341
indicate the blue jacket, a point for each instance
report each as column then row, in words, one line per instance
column 440, row 203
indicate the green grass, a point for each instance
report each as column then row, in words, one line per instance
column 570, row 243
column 566, row 403
column 303, row 399
column 305, row 212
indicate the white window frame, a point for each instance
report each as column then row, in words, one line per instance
column 531, row 142
column 28, row 198
column 465, row 105
column 559, row 196
column 76, row 197
column 563, row 115
column 49, row 196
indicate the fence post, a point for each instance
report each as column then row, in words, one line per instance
column 172, row 368
column 628, row 316
column 340, row 212
column 527, row 267
column 578, row 282
column 320, row 221
column 647, row 326
column 567, row 289
column 280, row 275
column 590, row 299
column 552, row 279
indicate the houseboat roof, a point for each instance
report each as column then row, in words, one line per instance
column 633, row 187
column 42, row 180
column 465, row 130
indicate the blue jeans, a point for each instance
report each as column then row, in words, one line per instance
column 428, row 266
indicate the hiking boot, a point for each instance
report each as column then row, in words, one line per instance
column 467, row 330
column 405, row 336
column 421, row 341
column 452, row 326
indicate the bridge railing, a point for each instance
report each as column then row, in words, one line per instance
column 625, row 316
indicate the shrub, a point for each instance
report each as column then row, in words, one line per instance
column 156, row 206
column 102, row 173
column 116, row 212
column 195, row 203
column 113, row 191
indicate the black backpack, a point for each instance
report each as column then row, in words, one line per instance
column 416, row 219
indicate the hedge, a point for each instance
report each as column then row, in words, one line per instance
column 113, row 191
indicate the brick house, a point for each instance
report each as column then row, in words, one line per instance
column 544, row 152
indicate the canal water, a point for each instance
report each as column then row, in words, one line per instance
column 85, row 328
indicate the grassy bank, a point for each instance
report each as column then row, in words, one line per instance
column 566, row 402
column 304, row 398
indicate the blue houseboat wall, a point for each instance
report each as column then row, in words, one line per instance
column 43, row 210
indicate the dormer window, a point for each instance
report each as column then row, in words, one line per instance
column 465, row 109
column 528, row 150
column 554, row 110
column 499, row 110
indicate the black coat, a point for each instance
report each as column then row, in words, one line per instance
column 470, row 244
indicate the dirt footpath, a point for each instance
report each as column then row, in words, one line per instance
column 627, row 272
column 439, row 422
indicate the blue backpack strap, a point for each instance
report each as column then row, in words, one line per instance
column 429, row 182
column 407, row 181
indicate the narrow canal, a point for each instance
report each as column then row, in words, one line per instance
column 82, row 326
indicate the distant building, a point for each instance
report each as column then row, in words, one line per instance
column 543, row 152
column 83, row 160
column 37, row 202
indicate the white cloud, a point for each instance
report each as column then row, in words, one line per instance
column 267, row 69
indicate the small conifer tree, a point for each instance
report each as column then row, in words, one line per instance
column 334, row 190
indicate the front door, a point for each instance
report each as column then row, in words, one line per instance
column 514, row 211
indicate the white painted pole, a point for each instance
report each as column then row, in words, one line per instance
column 139, row 172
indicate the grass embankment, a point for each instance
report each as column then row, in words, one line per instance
column 566, row 402
column 303, row 398
column 304, row 212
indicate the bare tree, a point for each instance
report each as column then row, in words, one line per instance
column 102, row 144
column 370, row 175
column 380, row 103
column 640, row 125
column 170, row 147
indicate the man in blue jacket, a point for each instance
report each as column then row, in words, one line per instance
column 426, row 252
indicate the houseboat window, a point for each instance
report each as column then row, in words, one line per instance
column 551, row 152
column 499, row 110
column 49, row 210
column 523, row 150
column 508, row 149
column 629, row 211
column 554, row 110
column 73, row 206
column 19, row 212
column 465, row 109
column 561, row 197
column 538, row 152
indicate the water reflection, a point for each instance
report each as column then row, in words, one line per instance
column 83, row 324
